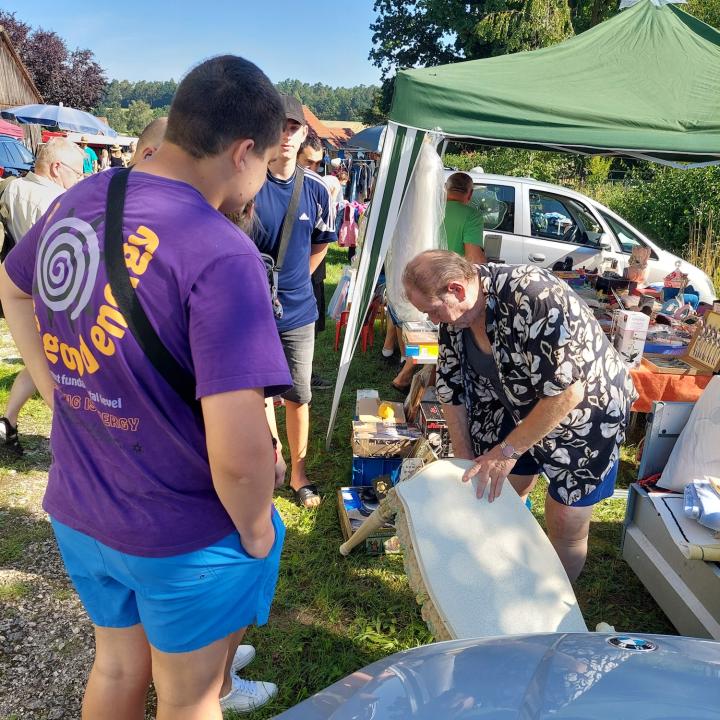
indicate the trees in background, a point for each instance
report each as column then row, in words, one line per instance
column 71, row 77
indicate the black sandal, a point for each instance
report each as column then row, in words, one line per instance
column 9, row 436
column 403, row 389
column 305, row 493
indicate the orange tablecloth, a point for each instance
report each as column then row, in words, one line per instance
column 660, row 386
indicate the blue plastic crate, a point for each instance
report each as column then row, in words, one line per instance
column 365, row 470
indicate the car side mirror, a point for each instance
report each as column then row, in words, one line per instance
column 604, row 242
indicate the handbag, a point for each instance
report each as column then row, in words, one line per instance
column 274, row 266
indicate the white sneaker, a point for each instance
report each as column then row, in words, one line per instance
column 247, row 695
column 244, row 655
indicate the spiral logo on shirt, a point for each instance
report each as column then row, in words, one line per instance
column 67, row 265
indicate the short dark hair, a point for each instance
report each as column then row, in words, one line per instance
column 220, row 101
column 312, row 140
column 459, row 182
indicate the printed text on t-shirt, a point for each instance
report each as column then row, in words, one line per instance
column 139, row 251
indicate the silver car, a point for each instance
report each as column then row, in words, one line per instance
column 528, row 221
column 553, row 676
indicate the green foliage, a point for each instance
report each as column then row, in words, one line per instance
column 664, row 202
column 126, row 104
column 422, row 33
column 156, row 93
column 706, row 10
column 546, row 166
column 329, row 103
column 138, row 116
column 510, row 26
column 598, row 169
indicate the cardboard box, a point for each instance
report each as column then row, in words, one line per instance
column 378, row 439
column 702, row 356
column 355, row 505
column 366, row 411
column 630, row 335
column 433, row 426
column 421, row 341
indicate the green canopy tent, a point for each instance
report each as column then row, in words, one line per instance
column 645, row 83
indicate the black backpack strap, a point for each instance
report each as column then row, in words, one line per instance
column 289, row 221
column 175, row 375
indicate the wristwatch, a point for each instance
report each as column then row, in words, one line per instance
column 509, row 451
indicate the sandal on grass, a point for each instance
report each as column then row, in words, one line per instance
column 404, row 389
column 305, row 493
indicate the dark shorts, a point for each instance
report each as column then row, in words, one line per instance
column 527, row 465
column 299, row 346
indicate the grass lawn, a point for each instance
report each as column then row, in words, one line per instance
column 331, row 615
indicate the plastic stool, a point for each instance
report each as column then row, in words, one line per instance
column 339, row 325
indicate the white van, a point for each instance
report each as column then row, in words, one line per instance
column 528, row 221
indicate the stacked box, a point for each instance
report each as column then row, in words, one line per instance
column 365, row 470
column 433, row 426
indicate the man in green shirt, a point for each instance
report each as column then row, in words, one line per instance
column 463, row 224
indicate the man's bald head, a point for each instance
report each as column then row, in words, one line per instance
column 150, row 139
column 432, row 271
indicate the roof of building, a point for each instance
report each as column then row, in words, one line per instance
column 322, row 130
column 16, row 84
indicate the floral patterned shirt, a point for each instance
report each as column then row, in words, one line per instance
column 544, row 338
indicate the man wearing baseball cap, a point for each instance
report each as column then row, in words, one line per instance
column 313, row 227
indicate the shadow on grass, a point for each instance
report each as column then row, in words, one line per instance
column 609, row 591
column 331, row 616
column 36, row 455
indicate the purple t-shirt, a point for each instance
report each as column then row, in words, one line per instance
column 130, row 465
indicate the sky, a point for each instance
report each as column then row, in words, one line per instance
column 309, row 40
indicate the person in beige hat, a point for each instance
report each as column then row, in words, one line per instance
column 90, row 164
column 116, row 158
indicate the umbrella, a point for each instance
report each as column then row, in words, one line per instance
column 7, row 128
column 60, row 116
column 370, row 138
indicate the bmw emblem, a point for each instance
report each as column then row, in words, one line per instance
column 627, row 642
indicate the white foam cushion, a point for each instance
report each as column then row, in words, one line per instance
column 696, row 455
column 488, row 567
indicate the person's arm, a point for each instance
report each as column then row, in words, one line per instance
column 475, row 254
column 20, row 316
column 242, row 464
column 493, row 467
column 457, row 422
column 280, row 464
column 317, row 253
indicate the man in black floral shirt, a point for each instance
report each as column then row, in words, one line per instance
column 528, row 383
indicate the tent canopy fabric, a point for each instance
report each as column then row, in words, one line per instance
column 645, row 82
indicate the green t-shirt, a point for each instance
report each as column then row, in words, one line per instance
column 463, row 225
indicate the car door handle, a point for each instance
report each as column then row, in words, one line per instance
column 536, row 257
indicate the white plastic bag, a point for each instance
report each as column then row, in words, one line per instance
column 419, row 227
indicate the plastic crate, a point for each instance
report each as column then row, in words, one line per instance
column 365, row 470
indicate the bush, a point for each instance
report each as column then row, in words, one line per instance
column 665, row 206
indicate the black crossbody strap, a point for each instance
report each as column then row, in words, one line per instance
column 289, row 221
column 175, row 375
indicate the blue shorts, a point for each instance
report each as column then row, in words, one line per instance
column 184, row 602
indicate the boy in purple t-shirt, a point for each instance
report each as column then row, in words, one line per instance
column 163, row 511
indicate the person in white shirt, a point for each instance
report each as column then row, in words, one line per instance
column 58, row 166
